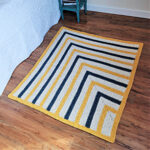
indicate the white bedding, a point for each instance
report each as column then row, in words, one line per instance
column 23, row 24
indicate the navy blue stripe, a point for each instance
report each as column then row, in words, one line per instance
column 111, row 99
column 95, row 104
column 41, row 68
column 82, row 85
column 92, row 111
column 104, row 52
column 98, row 41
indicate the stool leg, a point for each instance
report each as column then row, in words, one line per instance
column 61, row 9
column 85, row 7
column 78, row 16
column 62, row 14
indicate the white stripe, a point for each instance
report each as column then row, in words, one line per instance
column 102, row 102
column 100, row 44
column 105, row 55
column 88, row 107
column 79, row 101
column 105, row 40
column 82, row 96
column 108, row 123
column 104, row 49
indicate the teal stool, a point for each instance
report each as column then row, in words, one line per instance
column 74, row 7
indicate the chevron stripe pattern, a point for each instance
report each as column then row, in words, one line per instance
column 82, row 80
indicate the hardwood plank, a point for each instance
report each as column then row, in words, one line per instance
column 23, row 128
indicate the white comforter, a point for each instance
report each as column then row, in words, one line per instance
column 23, row 24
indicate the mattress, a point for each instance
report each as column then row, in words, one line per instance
column 23, row 25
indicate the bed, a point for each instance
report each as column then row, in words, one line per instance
column 23, row 24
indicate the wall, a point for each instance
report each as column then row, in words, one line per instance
column 139, row 8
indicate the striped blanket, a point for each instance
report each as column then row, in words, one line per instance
column 82, row 80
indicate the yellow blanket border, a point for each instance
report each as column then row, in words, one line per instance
column 119, row 112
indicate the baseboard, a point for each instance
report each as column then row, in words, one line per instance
column 120, row 11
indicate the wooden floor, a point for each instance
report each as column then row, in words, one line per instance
column 23, row 128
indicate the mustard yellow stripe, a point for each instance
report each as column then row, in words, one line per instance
column 105, row 47
column 39, row 60
column 87, row 95
column 103, row 116
column 108, row 88
column 108, row 71
column 48, row 69
column 69, row 89
column 101, row 37
column 92, row 84
column 111, row 59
